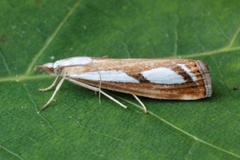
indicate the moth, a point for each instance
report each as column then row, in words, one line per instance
column 169, row 79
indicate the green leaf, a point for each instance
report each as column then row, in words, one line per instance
column 76, row 125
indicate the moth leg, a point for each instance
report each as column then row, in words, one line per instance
column 97, row 90
column 49, row 87
column 54, row 93
column 139, row 101
column 113, row 99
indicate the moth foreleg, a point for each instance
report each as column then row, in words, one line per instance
column 54, row 93
column 49, row 87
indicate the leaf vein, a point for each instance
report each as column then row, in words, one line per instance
column 11, row 152
column 5, row 63
column 234, row 37
column 52, row 37
column 185, row 132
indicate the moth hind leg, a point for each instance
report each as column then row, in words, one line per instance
column 96, row 90
column 113, row 99
column 141, row 103
column 49, row 87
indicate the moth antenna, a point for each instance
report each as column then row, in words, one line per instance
column 54, row 93
column 49, row 87
column 97, row 90
column 139, row 101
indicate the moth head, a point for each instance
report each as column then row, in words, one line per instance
column 56, row 67
column 48, row 67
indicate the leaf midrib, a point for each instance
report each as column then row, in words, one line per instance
column 26, row 76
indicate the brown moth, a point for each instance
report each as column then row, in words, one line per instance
column 171, row 79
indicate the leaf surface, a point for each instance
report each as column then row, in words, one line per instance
column 76, row 125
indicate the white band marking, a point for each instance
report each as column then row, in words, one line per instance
column 188, row 71
column 72, row 62
column 163, row 75
column 108, row 76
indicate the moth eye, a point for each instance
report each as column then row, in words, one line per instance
column 57, row 70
